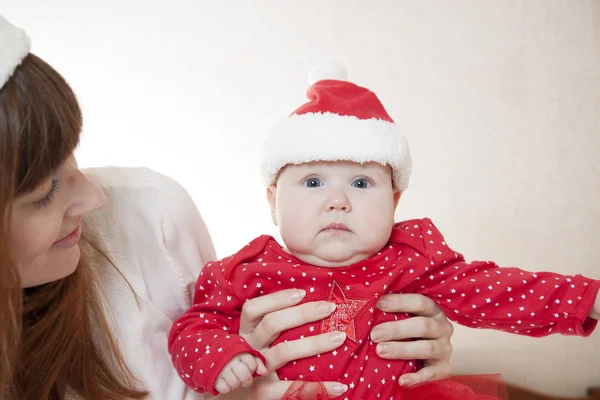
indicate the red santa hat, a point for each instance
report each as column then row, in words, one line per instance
column 14, row 46
column 341, row 122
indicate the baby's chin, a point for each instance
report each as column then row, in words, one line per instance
column 331, row 258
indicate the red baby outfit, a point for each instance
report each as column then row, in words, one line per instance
column 415, row 260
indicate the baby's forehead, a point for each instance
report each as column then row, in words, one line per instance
column 337, row 168
column 338, row 165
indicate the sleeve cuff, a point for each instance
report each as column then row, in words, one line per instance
column 208, row 376
column 578, row 321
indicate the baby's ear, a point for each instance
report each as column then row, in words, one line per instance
column 397, row 195
column 272, row 199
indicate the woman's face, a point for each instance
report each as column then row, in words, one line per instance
column 46, row 224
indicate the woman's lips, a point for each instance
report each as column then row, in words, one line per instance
column 70, row 240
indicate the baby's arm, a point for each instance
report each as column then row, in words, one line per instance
column 483, row 295
column 239, row 372
column 204, row 339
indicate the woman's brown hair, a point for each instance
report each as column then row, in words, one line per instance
column 54, row 338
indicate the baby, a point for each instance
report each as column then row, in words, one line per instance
column 335, row 171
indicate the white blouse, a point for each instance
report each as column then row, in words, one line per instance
column 155, row 235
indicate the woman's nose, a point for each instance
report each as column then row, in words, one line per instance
column 87, row 196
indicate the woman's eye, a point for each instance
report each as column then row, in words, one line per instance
column 48, row 197
column 361, row 183
column 312, row 182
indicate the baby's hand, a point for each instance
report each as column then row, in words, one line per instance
column 595, row 313
column 238, row 372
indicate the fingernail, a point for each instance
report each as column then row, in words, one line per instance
column 298, row 294
column 376, row 334
column 338, row 389
column 326, row 308
column 383, row 348
column 337, row 337
column 404, row 382
column 382, row 304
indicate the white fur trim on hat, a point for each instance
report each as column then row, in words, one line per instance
column 14, row 46
column 330, row 137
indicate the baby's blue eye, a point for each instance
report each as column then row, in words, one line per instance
column 361, row 183
column 313, row 182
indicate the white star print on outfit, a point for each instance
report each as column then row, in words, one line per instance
column 415, row 260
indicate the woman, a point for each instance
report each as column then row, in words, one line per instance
column 86, row 304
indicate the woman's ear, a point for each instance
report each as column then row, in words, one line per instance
column 272, row 199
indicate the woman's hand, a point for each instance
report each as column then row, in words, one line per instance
column 263, row 319
column 430, row 326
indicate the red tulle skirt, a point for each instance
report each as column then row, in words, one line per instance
column 466, row 387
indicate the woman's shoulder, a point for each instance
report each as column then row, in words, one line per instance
column 151, row 205
column 137, row 183
column 151, row 216
column 130, row 176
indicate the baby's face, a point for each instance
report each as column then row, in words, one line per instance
column 333, row 214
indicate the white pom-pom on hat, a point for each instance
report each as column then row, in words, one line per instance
column 328, row 70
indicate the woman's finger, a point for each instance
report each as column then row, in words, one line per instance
column 410, row 328
column 409, row 303
column 285, row 352
column 278, row 321
column 419, row 350
column 255, row 309
column 433, row 372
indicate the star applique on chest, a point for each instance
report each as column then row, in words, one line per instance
column 345, row 312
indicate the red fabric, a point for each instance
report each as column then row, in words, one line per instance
column 300, row 390
column 468, row 387
column 465, row 387
column 343, row 98
column 416, row 260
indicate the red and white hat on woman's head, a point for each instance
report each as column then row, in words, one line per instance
column 14, row 46
column 341, row 122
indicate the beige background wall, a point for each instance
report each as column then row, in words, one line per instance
column 500, row 101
